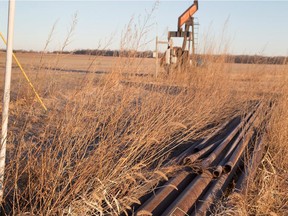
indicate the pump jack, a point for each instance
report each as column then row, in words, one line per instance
column 181, row 57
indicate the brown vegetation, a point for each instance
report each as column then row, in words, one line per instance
column 102, row 144
column 266, row 193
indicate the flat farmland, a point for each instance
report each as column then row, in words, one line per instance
column 83, row 63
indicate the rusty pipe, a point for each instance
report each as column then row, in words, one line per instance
column 184, row 202
column 248, row 120
column 219, row 169
column 193, row 157
column 251, row 169
column 165, row 196
column 206, row 162
column 187, row 152
column 204, row 143
column 238, row 152
column 216, row 190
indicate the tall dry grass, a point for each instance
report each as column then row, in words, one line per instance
column 266, row 192
column 102, row 145
column 100, row 148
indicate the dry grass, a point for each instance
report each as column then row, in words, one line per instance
column 102, row 145
column 266, row 193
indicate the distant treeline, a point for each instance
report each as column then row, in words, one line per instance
column 124, row 53
column 238, row 59
column 256, row 59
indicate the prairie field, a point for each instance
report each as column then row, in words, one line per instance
column 106, row 137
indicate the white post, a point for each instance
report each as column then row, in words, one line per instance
column 168, row 52
column 6, row 96
column 157, row 61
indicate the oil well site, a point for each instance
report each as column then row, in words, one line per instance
column 170, row 124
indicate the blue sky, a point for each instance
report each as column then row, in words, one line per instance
column 248, row 27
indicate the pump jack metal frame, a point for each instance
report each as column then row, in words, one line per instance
column 182, row 56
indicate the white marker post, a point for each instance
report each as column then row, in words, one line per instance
column 167, row 53
column 6, row 96
column 156, row 56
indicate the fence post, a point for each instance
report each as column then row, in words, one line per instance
column 157, row 60
column 6, row 96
